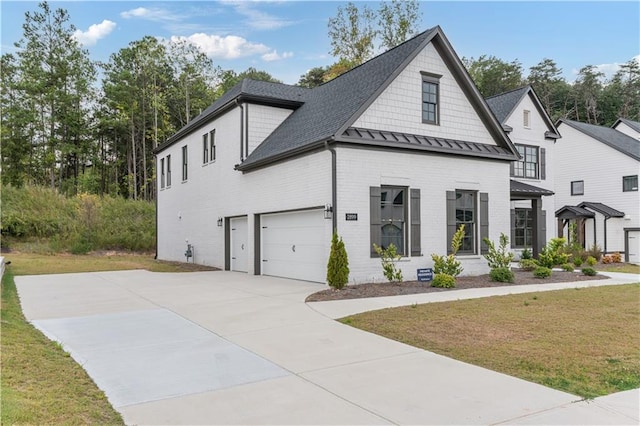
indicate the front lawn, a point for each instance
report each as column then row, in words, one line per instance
column 581, row 341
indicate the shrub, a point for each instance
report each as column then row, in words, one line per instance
column 616, row 257
column 589, row 271
column 552, row 254
column 526, row 254
column 388, row 258
column 567, row 267
column 449, row 265
column 595, row 251
column 338, row 265
column 503, row 275
column 498, row 257
column 542, row 272
column 528, row 264
column 606, row 259
column 443, row 281
column 591, row 261
column 577, row 260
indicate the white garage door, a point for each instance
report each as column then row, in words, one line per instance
column 634, row 247
column 238, row 242
column 293, row 245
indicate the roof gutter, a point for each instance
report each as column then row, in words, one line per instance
column 275, row 158
column 334, row 183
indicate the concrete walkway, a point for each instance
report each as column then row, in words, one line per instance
column 228, row 348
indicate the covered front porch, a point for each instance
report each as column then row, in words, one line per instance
column 585, row 216
column 528, row 220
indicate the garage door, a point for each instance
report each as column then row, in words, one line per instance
column 293, row 245
column 634, row 247
column 238, row 241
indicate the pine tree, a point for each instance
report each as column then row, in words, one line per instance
column 338, row 265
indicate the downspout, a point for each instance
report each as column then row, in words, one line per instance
column 605, row 234
column 595, row 234
column 156, row 203
column 334, row 185
column 241, row 129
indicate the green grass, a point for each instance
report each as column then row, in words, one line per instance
column 584, row 342
column 627, row 268
column 40, row 383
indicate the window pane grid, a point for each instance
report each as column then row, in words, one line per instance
column 392, row 214
column 523, row 228
column 429, row 102
column 465, row 215
column 527, row 167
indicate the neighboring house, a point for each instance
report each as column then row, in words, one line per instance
column 401, row 149
column 628, row 127
column 596, row 175
column 532, row 131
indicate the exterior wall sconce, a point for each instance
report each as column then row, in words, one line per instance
column 219, row 221
column 328, row 211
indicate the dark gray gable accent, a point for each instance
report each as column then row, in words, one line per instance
column 451, row 218
column 543, row 164
column 484, row 221
column 608, row 136
column 375, row 218
column 571, row 212
column 416, row 249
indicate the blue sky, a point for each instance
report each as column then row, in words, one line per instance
column 286, row 38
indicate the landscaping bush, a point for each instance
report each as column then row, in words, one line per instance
column 589, row 271
column 388, row 258
column 542, row 272
column 591, row 261
column 606, row 259
column 338, row 264
column 616, row 257
column 501, row 257
column 577, row 261
column 567, row 267
column 528, row 264
column 595, row 251
column 449, row 265
column 526, row 254
column 443, row 281
column 553, row 253
column 503, row 275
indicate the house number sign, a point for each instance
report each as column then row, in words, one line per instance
column 351, row 216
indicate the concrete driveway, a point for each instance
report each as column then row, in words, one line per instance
column 229, row 348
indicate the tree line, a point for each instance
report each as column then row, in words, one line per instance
column 79, row 125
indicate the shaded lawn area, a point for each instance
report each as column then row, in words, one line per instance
column 582, row 341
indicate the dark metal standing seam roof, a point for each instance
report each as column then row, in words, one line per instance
column 574, row 212
column 608, row 136
column 519, row 188
column 602, row 209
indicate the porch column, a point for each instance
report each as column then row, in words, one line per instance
column 537, row 219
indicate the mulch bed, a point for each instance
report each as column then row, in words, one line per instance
column 414, row 287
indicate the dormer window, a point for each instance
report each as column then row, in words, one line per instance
column 526, row 119
column 430, row 98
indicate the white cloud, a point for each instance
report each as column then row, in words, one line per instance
column 274, row 56
column 94, row 33
column 257, row 19
column 609, row 69
column 228, row 47
column 158, row 15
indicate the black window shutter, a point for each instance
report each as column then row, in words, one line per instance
column 375, row 219
column 415, row 222
column 451, row 218
column 484, row 221
column 513, row 228
column 542, row 229
column 512, row 168
column 543, row 164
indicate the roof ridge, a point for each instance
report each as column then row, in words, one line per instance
column 510, row 91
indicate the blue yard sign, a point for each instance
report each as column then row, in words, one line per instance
column 425, row 274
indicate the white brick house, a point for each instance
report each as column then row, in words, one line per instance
column 596, row 179
column 401, row 149
column 532, row 131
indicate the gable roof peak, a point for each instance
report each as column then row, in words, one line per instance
column 608, row 136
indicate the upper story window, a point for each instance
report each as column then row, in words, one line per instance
column 212, row 145
column 205, row 148
column 430, row 98
column 168, row 171
column 185, row 163
column 162, row 175
column 529, row 165
column 577, row 187
column 630, row 183
column 526, row 118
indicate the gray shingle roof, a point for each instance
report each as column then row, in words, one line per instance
column 608, row 136
column 520, row 188
column 424, row 143
column 502, row 105
column 633, row 124
column 602, row 209
column 573, row 211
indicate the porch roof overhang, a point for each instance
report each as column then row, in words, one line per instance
column 573, row 212
column 603, row 209
column 524, row 191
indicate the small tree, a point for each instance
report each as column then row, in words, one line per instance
column 388, row 258
column 338, row 265
column 449, row 264
column 498, row 257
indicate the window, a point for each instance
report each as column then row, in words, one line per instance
column 526, row 115
column 212, row 147
column 205, row 148
column 629, row 183
column 577, row 187
column 185, row 163
column 466, row 215
column 168, row 171
column 522, row 228
column 395, row 219
column 527, row 167
column 430, row 98
column 162, row 176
